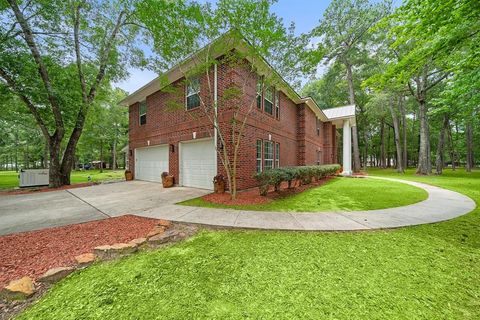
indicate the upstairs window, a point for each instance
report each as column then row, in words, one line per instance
column 193, row 93
column 268, row 101
column 259, row 93
column 268, row 155
column 143, row 112
column 318, row 124
column 277, row 104
column 259, row 155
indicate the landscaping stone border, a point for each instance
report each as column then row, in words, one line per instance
column 162, row 234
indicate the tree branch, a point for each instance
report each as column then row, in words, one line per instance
column 104, row 57
column 15, row 89
column 27, row 32
column 76, row 40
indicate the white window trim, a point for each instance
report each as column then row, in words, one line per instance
column 273, row 98
column 272, row 159
column 276, row 156
column 259, row 91
column 277, row 104
column 261, row 155
column 193, row 93
column 142, row 114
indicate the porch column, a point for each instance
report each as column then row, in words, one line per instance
column 347, row 148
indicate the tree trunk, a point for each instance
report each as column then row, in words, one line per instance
column 396, row 128
column 404, row 132
column 424, row 163
column 351, row 98
column 101, row 156
column 469, row 136
column 440, row 159
column 452, row 148
column 382, row 143
column 114, row 153
column 55, row 173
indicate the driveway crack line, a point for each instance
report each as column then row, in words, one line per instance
column 89, row 204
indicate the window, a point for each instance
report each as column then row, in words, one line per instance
column 143, row 112
column 277, row 155
column 259, row 93
column 268, row 155
column 277, row 104
column 259, row 155
column 193, row 90
column 318, row 124
column 268, row 101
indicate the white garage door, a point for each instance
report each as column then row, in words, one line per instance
column 197, row 164
column 150, row 163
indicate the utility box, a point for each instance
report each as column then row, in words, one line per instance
column 33, row 177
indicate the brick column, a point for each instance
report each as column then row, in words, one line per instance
column 301, row 135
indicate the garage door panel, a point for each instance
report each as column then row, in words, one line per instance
column 150, row 163
column 198, row 164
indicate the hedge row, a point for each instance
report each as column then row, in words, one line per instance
column 275, row 177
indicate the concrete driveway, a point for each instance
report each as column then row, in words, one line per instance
column 57, row 208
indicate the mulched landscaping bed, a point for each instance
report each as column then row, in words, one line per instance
column 252, row 196
column 33, row 253
column 12, row 192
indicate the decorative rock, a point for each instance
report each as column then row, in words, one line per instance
column 155, row 231
column 164, row 223
column 55, row 274
column 85, row 259
column 19, row 289
column 167, row 236
column 139, row 241
column 115, row 251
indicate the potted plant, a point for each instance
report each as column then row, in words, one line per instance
column 219, row 184
column 167, row 180
column 128, row 175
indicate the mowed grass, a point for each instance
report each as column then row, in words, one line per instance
column 422, row 272
column 338, row 194
column 9, row 179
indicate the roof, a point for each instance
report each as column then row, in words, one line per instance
column 178, row 71
column 337, row 115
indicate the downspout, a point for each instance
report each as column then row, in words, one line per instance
column 215, row 119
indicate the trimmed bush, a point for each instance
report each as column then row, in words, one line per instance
column 275, row 177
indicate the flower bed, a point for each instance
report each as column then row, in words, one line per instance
column 305, row 174
column 34, row 252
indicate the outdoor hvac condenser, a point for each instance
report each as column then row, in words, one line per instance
column 33, row 177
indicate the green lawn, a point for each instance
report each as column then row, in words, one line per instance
column 9, row 179
column 422, row 272
column 338, row 194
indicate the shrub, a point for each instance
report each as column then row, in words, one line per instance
column 275, row 177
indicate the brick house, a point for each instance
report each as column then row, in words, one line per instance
column 282, row 128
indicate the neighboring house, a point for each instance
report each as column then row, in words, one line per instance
column 282, row 130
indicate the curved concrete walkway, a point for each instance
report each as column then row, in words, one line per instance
column 440, row 205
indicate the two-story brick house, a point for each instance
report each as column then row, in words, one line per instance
column 282, row 129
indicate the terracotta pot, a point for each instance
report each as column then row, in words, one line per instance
column 219, row 187
column 128, row 175
column 167, row 181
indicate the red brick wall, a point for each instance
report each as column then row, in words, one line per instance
column 168, row 122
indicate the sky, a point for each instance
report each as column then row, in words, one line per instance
column 305, row 13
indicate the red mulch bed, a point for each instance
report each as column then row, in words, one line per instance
column 45, row 189
column 252, row 196
column 33, row 253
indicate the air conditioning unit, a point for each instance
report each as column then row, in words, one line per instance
column 33, row 177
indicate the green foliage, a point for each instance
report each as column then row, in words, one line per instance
column 428, row 271
column 337, row 194
column 9, row 179
column 274, row 177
